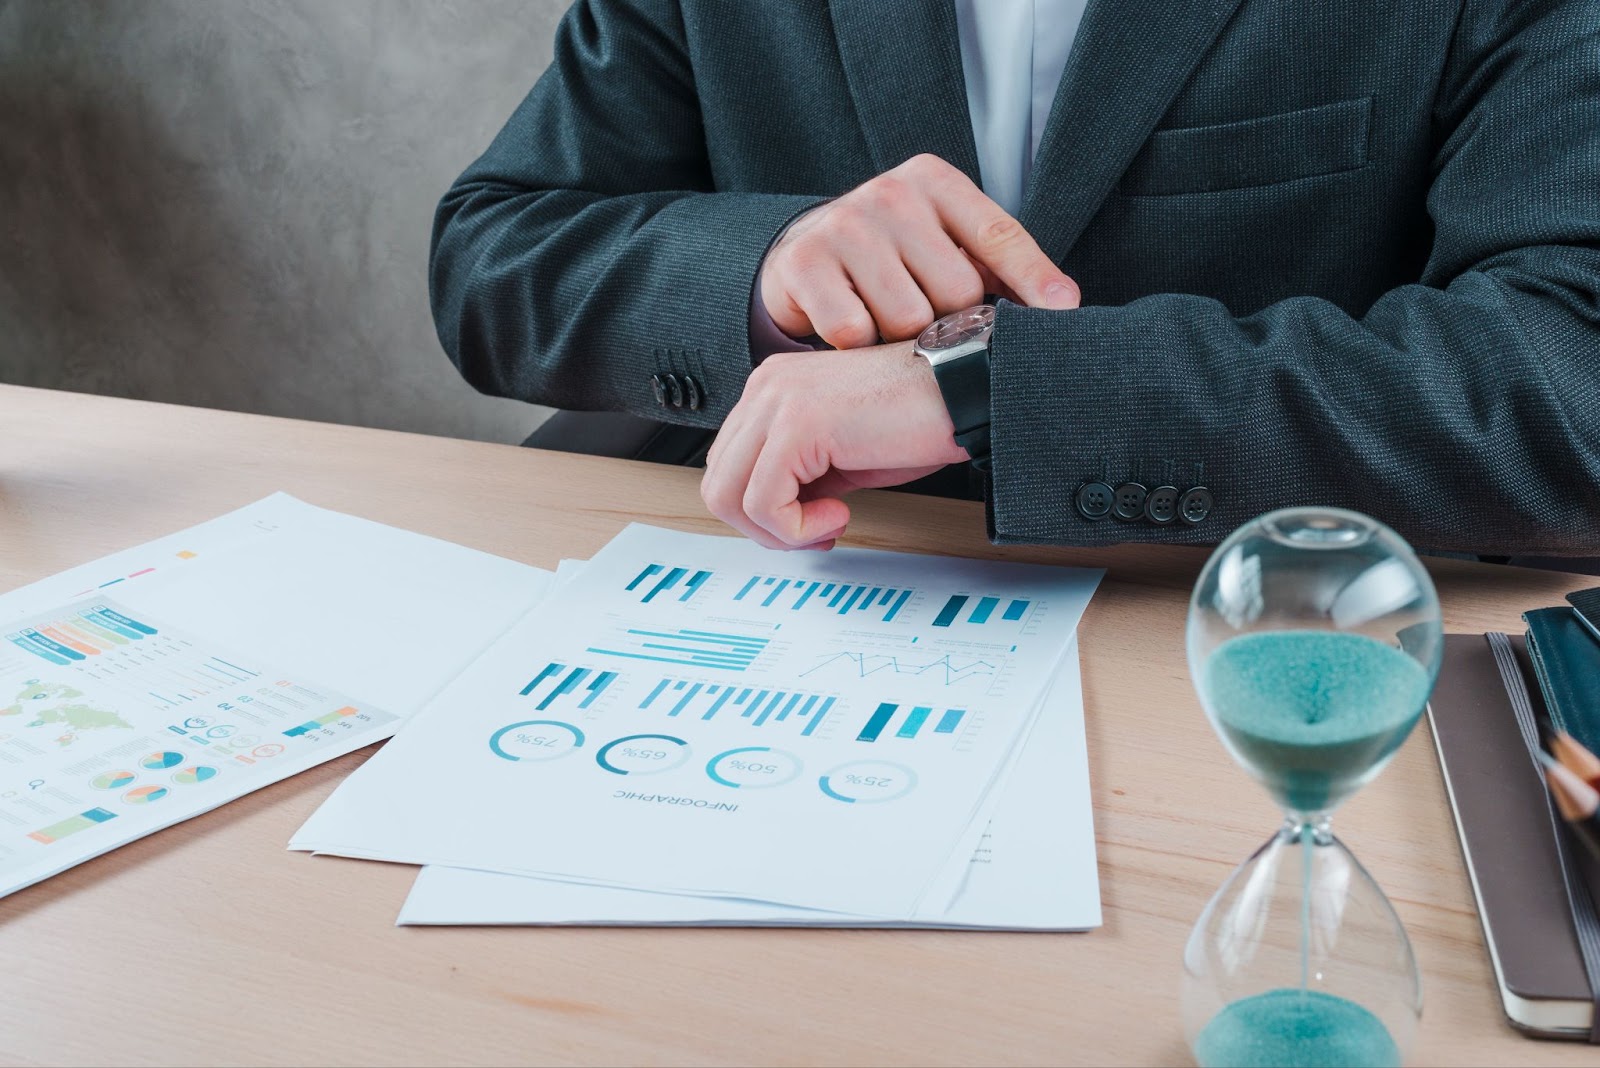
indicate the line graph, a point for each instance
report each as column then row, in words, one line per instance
column 952, row 670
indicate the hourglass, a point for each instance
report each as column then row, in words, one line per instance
column 1314, row 639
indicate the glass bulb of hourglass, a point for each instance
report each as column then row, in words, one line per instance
column 1314, row 639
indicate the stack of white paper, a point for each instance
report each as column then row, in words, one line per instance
column 697, row 730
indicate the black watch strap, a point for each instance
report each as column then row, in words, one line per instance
column 964, row 384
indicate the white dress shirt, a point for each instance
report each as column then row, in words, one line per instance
column 1012, row 56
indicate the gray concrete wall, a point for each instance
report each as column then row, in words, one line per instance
column 227, row 202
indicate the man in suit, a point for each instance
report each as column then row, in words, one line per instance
column 1249, row 254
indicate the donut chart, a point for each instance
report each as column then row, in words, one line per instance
column 535, row 740
column 642, row 754
column 868, row 782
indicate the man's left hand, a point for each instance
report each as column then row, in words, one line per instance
column 811, row 427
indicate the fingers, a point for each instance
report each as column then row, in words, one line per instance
column 750, row 485
column 772, row 496
column 896, row 302
column 728, row 466
column 1001, row 244
column 890, row 256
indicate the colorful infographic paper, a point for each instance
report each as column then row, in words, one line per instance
column 160, row 681
column 114, row 723
column 700, row 715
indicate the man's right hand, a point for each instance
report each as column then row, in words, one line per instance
column 895, row 253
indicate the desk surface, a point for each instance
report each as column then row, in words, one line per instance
column 210, row 943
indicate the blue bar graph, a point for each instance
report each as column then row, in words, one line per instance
column 982, row 612
column 670, row 577
column 684, row 698
column 653, row 569
column 952, row 608
column 911, row 726
column 570, row 685
column 841, row 598
column 597, row 687
column 695, row 648
column 550, row 669
column 913, row 723
column 575, row 676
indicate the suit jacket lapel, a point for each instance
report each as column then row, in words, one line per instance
column 1130, row 58
column 902, row 60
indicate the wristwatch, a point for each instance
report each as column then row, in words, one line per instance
column 957, row 348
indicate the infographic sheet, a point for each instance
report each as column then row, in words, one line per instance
column 701, row 715
column 1034, row 869
column 114, row 724
column 159, row 681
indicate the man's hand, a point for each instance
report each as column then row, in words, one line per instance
column 810, row 427
column 890, row 256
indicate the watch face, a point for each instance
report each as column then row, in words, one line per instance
column 958, row 328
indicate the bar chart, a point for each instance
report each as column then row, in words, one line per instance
column 982, row 610
column 839, row 598
column 563, row 685
column 947, row 669
column 666, row 581
column 80, row 635
column 320, row 722
column 689, row 699
column 911, row 721
column 692, row 647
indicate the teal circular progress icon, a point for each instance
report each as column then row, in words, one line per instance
column 642, row 754
column 535, row 740
column 753, row 767
column 865, row 782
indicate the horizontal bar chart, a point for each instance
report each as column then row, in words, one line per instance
column 690, row 647
column 688, row 699
column 911, row 723
column 321, row 721
column 838, row 598
column 72, row 825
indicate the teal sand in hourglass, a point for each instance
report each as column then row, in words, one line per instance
column 1314, row 641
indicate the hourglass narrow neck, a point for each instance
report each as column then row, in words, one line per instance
column 1296, row 825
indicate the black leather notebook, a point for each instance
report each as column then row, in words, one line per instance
column 1510, row 839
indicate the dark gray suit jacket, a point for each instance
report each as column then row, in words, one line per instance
column 1342, row 252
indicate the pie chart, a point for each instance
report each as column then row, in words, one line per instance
column 143, row 795
column 190, row 776
column 111, row 780
column 157, row 761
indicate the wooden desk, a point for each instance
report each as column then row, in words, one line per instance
column 210, row 943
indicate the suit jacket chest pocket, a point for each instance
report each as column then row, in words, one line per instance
column 1325, row 139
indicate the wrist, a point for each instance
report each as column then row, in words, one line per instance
column 956, row 349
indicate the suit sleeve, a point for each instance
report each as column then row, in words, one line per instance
column 1463, row 410
column 588, row 249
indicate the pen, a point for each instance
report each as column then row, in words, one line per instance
column 1577, row 800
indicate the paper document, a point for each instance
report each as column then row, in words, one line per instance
column 700, row 715
column 115, row 723
column 163, row 680
column 1034, row 869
